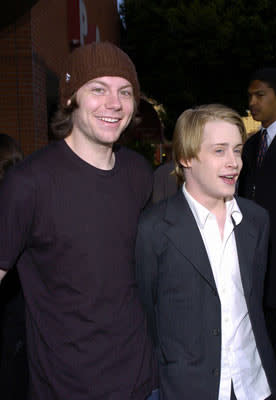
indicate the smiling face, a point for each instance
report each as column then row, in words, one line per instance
column 212, row 176
column 105, row 109
column 262, row 102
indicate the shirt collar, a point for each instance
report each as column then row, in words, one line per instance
column 201, row 213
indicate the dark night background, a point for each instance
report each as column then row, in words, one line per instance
column 190, row 52
column 13, row 10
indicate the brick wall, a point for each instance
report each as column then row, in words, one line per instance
column 16, row 100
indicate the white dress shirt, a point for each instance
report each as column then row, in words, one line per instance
column 240, row 360
column 271, row 133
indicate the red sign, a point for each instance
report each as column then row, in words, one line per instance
column 79, row 30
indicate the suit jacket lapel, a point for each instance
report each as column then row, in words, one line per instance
column 270, row 153
column 185, row 235
column 271, row 150
column 246, row 241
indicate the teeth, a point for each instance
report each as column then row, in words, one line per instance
column 229, row 176
column 105, row 119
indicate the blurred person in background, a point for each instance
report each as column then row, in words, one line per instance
column 13, row 358
column 257, row 178
column 164, row 182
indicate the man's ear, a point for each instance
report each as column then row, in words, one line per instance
column 185, row 163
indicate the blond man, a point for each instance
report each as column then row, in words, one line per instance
column 201, row 262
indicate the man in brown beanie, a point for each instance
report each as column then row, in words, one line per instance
column 68, row 217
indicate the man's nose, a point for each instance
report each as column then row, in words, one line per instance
column 252, row 100
column 113, row 101
column 232, row 159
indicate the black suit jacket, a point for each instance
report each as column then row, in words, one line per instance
column 259, row 185
column 179, row 294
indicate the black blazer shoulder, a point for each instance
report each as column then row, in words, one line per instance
column 251, row 210
column 168, row 210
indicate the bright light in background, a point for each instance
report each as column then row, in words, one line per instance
column 118, row 4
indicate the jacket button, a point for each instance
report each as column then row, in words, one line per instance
column 216, row 332
column 253, row 191
column 215, row 372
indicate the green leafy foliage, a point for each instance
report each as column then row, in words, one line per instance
column 190, row 52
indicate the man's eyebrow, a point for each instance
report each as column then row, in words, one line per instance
column 107, row 85
column 259, row 91
column 226, row 144
column 96, row 81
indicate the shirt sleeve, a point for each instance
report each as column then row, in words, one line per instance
column 17, row 200
column 146, row 273
column 145, row 177
column 148, row 185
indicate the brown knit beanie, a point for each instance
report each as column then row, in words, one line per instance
column 93, row 61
